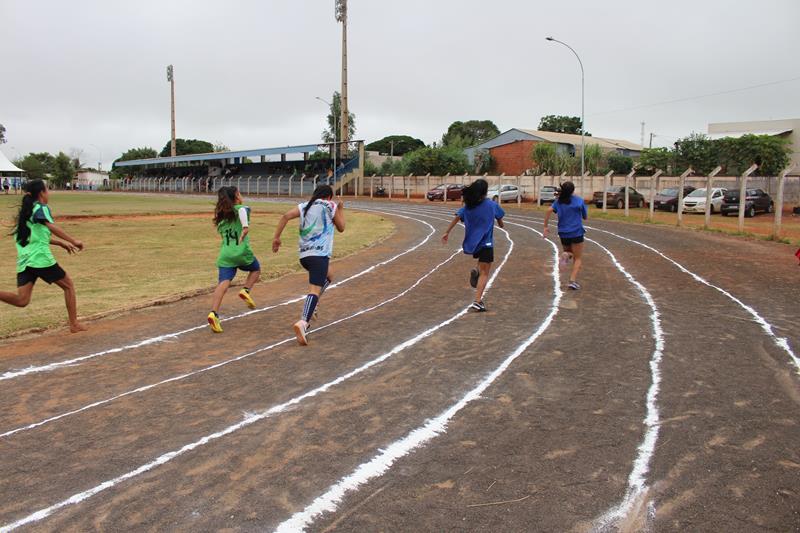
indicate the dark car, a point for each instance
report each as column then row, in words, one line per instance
column 453, row 192
column 755, row 201
column 615, row 197
column 667, row 199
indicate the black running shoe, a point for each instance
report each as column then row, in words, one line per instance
column 473, row 277
column 574, row 285
column 478, row 307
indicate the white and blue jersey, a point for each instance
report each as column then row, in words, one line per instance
column 316, row 229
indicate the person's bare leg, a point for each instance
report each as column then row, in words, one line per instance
column 219, row 293
column 577, row 254
column 483, row 279
column 252, row 279
column 19, row 299
column 72, row 303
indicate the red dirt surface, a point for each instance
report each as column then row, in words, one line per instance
column 549, row 446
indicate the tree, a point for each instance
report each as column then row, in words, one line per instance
column 37, row 165
column 437, row 161
column 653, row 159
column 188, row 146
column 469, row 133
column 545, row 158
column 620, row 164
column 144, row 152
column 395, row 144
column 561, row 124
column 2, row 134
column 696, row 151
column 770, row 153
column 594, row 158
column 63, row 171
column 319, row 155
column 336, row 111
column 219, row 147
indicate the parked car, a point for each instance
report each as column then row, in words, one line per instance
column 696, row 201
column 503, row 193
column 453, row 192
column 667, row 199
column 615, row 197
column 548, row 194
column 755, row 201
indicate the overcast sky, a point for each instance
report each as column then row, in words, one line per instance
column 80, row 73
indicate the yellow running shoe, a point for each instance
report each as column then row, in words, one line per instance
column 213, row 321
column 244, row 295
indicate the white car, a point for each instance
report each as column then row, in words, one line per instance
column 548, row 194
column 503, row 193
column 695, row 201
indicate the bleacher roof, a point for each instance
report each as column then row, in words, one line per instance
column 299, row 149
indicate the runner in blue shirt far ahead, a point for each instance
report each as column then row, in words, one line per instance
column 571, row 212
column 478, row 216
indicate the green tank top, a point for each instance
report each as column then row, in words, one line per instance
column 231, row 253
column 37, row 253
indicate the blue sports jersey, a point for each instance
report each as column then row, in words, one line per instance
column 479, row 225
column 570, row 217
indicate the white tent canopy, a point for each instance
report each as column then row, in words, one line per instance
column 7, row 166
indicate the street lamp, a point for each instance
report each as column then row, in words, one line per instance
column 583, row 126
column 335, row 148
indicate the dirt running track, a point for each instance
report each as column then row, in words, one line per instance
column 651, row 400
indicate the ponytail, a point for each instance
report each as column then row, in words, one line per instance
column 320, row 193
column 565, row 194
column 226, row 196
column 474, row 193
column 32, row 190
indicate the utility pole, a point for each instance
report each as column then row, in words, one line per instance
column 642, row 137
column 344, row 122
column 651, row 139
column 171, row 80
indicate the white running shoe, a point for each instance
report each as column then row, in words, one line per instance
column 300, row 330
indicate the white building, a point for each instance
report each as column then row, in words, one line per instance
column 90, row 179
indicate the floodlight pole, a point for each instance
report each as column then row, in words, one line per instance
column 171, row 80
column 335, row 147
column 583, row 126
column 344, row 122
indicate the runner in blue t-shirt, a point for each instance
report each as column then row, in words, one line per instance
column 478, row 216
column 571, row 212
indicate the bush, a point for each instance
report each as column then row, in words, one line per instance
column 437, row 161
column 620, row 164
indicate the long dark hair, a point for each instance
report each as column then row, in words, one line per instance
column 320, row 193
column 226, row 198
column 474, row 193
column 32, row 190
column 565, row 194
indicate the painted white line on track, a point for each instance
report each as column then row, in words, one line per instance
column 249, row 419
column 637, row 484
column 381, row 463
column 13, row 374
column 186, row 375
column 781, row 342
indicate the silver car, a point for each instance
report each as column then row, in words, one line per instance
column 503, row 193
column 548, row 194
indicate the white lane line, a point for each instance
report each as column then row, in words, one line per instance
column 381, row 463
column 13, row 374
column 781, row 342
column 637, row 483
column 249, row 419
column 180, row 377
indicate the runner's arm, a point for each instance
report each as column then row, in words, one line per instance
column 547, row 221
column 287, row 216
column 338, row 217
column 245, row 224
column 456, row 220
column 58, row 232
column 70, row 248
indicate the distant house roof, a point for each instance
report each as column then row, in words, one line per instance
column 737, row 134
column 575, row 140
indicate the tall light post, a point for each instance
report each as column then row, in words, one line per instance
column 100, row 161
column 583, row 126
column 171, row 80
column 340, row 10
column 335, row 147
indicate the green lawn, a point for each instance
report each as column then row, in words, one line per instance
column 134, row 260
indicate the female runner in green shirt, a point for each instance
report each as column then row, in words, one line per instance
column 34, row 258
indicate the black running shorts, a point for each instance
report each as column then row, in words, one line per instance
column 484, row 255
column 50, row 274
column 566, row 241
column 317, row 266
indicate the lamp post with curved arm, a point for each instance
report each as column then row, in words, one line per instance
column 583, row 126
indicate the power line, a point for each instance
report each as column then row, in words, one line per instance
column 688, row 98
